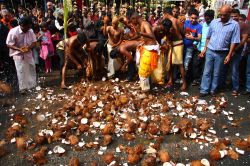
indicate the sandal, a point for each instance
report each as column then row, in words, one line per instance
column 235, row 93
column 169, row 86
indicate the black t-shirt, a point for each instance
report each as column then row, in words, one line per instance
column 3, row 34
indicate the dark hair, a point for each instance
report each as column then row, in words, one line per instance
column 82, row 38
column 237, row 11
column 209, row 13
column 168, row 10
column 197, row 1
column 176, row 7
column 114, row 53
column 43, row 25
column 194, row 12
column 135, row 14
column 243, row 16
column 24, row 21
column 167, row 24
column 20, row 6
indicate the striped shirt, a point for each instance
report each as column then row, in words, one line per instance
column 223, row 35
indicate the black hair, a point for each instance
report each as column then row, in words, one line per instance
column 20, row 6
column 197, row 1
column 24, row 21
column 168, row 10
column 237, row 11
column 135, row 14
column 82, row 38
column 194, row 11
column 243, row 16
column 209, row 13
column 129, row 13
column 114, row 53
column 43, row 25
column 167, row 24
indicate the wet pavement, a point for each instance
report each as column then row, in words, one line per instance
column 181, row 150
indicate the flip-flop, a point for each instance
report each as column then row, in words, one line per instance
column 169, row 86
column 235, row 93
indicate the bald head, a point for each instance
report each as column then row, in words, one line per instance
column 225, row 12
column 226, row 8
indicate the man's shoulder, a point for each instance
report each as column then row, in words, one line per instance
column 14, row 30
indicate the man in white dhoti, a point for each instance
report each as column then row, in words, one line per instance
column 115, row 35
column 21, row 40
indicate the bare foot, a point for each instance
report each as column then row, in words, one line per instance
column 63, row 86
column 169, row 84
column 184, row 86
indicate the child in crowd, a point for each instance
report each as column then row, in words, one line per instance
column 47, row 48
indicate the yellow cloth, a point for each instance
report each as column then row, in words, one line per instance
column 158, row 74
column 176, row 53
column 148, row 61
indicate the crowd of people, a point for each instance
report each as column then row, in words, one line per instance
column 156, row 46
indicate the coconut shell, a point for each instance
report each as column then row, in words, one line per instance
column 71, row 124
column 143, row 126
column 78, row 110
column 40, row 139
column 232, row 154
column 152, row 128
column 39, row 157
column 73, row 139
column 108, row 157
column 196, row 163
column 215, row 154
column 21, row 143
column 57, row 135
column 74, row 162
column 83, row 128
column 123, row 99
column 108, row 129
column 149, row 161
column 133, row 158
column 163, row 156
column 139, row 149
column 107, row 139
column 128, row 137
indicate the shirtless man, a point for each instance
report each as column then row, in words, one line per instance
column 115, row 35
column 125, row 50
column 148, row 51
column 162, row 30
column 74, row 51
column 176, row 53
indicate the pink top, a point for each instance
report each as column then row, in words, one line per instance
column 18, row 38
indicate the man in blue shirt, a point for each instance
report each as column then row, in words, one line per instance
column 222, row 38
column 193, row 32
column 236, row 58
column 198, row 62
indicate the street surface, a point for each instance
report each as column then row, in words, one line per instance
column 185, row 141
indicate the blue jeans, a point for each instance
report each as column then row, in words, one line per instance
column 248, row 73
column 188, row 56
column 213, row 64
column 235, row 62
